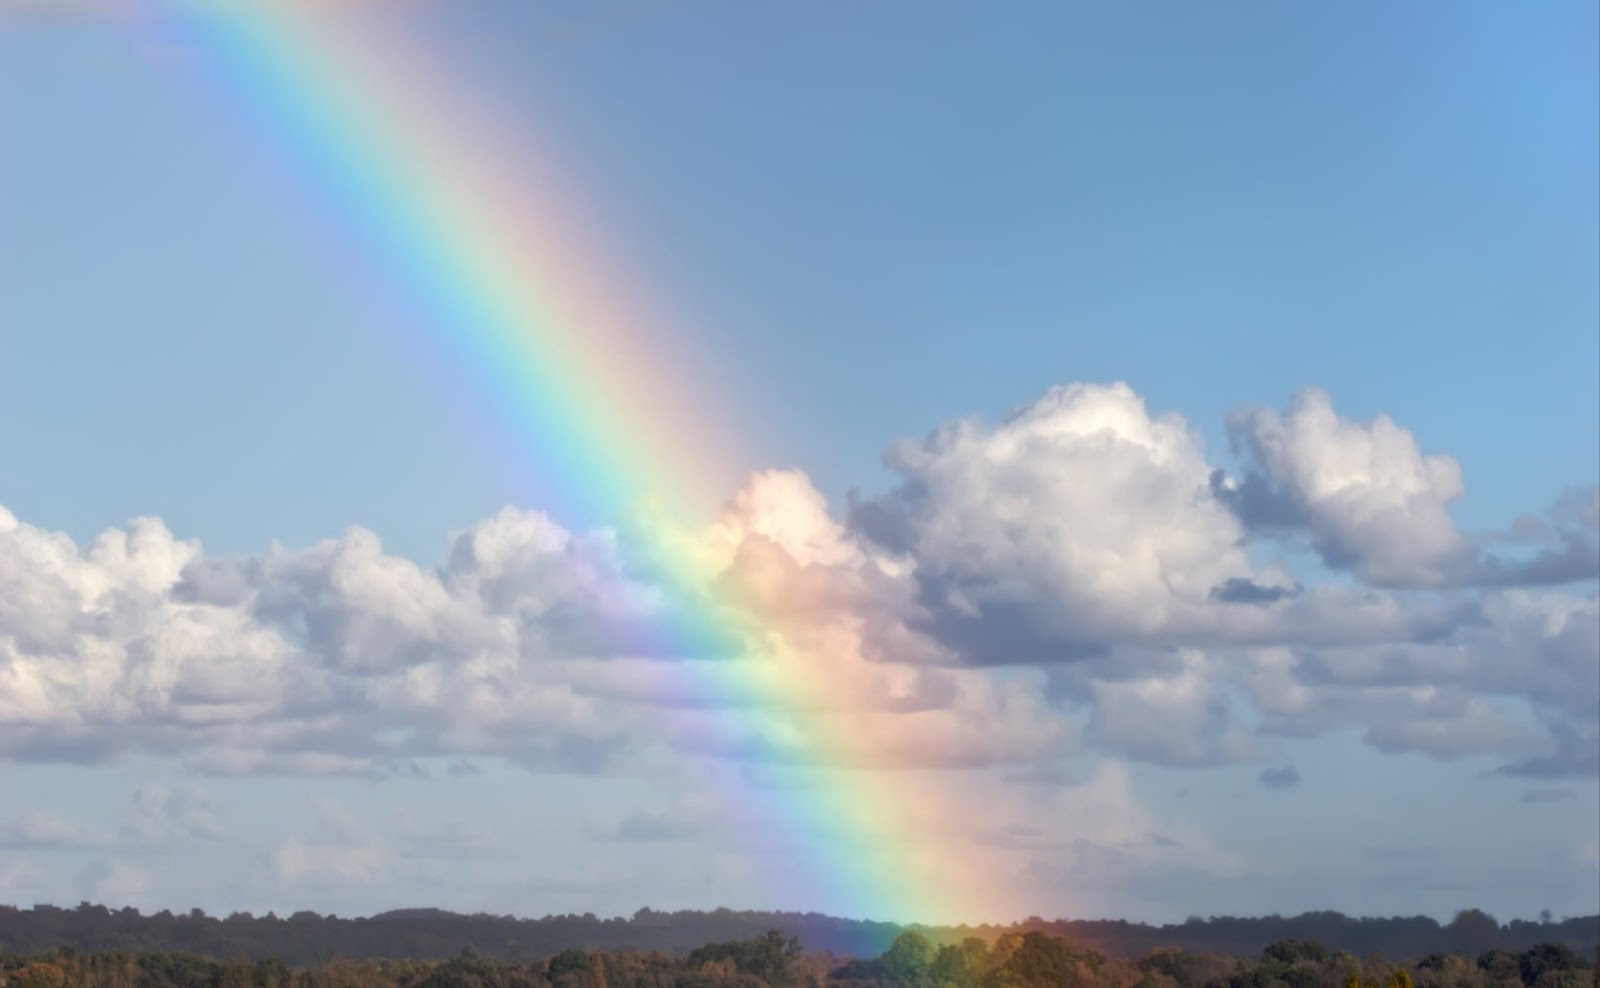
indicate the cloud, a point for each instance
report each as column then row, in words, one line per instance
column 1574, row 754
column 160, row 819
column 1178, row 718
column 296, row 862
column 1076, row 578
column 1077, row 522
column 343, row 659
column 1370, row 501
column 41, row 831
column 1450, row 697
column 1283, row 777
column 165, row 815
column 1237, row 590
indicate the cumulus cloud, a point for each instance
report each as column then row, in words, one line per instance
column 1081, row 524
column 525, row 643
column 1079, row 521
column 1078, row 577
column 1369, row 497
column 1372, row 502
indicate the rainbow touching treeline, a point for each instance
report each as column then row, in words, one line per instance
column 477, row 244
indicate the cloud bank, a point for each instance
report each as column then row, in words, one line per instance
column 1080, row 577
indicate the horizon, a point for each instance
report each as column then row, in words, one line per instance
column 1502, row 922
column 925, row 463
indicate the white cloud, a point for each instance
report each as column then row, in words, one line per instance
column 42, row 831
column 343, row 659
column 1369, row 496
column 116, row 881
column 1082, row 516
column 1372, row 502
column 1076, row 567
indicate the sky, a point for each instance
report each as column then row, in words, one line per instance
column 1146, row 457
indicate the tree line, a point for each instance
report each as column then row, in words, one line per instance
column 776, row 960
column 428, row 934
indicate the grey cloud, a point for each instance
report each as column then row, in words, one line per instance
column 881, row 522
column 647, row 826
column 999, row 633
column 1561, row 546
column 1259, row 504
column 1238, row 590
column 1284, row 777
column 1574, row 754
column 1179, row 722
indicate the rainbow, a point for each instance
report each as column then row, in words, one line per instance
column 486, row 258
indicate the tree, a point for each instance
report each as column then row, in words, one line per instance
column 41, row 974
column 908, row 959
column 1500, row 964
column 1471, row 931
column 1291, row 951
column 770, row 957
column 1538, row 959
column 1041, row 961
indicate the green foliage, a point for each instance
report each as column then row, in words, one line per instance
column 1186, row 969
column 1017, row 958
column 1291, row 951
column 178, row 970
column 466, row 971
column 1500, row 964
column 1544, row 958
column 1041, row 961
column 1302, row 976
column 960, row 965
column 569, row 962
column 771, row 958
column 908, row 960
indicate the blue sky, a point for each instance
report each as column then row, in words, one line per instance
column 862, row 225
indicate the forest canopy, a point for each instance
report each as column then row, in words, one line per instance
column 428, row 934
column 1030, row 959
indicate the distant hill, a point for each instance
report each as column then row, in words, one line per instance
column 307, row 938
